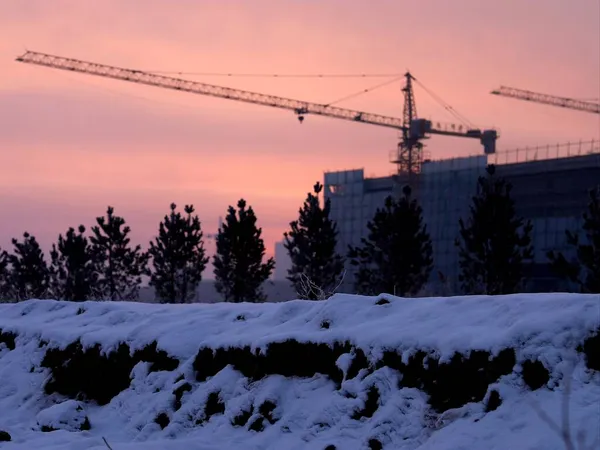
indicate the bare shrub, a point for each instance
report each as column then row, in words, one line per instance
column 308, row 289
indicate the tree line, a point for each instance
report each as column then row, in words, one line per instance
column 494, row 247
column 104, row 265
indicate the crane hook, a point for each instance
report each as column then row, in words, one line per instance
column 300, row 119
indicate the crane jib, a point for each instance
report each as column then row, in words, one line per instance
column 563, row 102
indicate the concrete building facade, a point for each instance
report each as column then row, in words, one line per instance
column 550, row 187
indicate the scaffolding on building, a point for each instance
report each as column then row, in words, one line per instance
column 545, row 152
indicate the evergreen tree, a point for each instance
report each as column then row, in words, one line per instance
column 495, row 242
column 73, row 271
column 239, row 270
column 585, row 271
column 311, row 242
column 178, row 257
column 4, row 276
column 396, row 257
column 30, row 276
column 119, row 267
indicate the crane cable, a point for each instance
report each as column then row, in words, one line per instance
column 396, row 77
column 277, row 75
column 364, row 91
column 446, row 106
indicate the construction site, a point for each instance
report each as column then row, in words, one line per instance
column 551, row 183
column 550, row 188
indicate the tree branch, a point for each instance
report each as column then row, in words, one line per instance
column 106, row 443
column 308, row 289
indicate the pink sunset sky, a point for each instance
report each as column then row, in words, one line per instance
column 72, row 144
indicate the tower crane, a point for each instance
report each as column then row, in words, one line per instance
column 414, row 129
column 563, row 102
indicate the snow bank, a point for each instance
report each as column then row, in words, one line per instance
column 351, row 372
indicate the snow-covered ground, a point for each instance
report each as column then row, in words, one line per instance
column 371, row 388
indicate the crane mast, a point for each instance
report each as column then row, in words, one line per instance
column 409, row 155
column 413, row 129
column 563, row 102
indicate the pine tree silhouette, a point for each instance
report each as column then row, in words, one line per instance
column 178, row 257
column 396, row 257
column 239, row 270
column 311, row 244
column 29, row 277
column 495, row 243
column 73, row 271
column 585, row 270
column 119, row 266
column 4, row 276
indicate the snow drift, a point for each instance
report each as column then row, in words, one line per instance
column 347, row 373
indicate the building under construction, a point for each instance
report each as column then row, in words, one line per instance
column 550, row 188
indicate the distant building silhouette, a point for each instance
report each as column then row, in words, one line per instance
column 282, row 262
